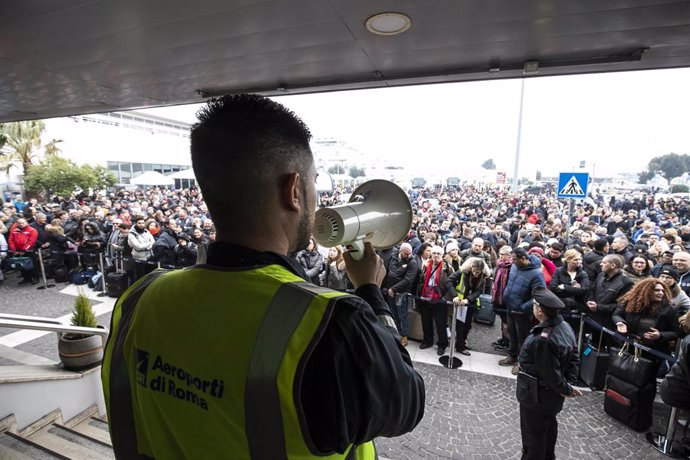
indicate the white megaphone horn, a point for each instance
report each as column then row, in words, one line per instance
column 378, row 212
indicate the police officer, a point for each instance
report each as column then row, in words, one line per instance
column 243, row 357
column 548, row 360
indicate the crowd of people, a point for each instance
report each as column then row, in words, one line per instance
column 624, row 262
column 514, row 242
column 143, row 229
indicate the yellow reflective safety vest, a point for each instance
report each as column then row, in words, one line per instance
column 205, row 363
column 460, row 289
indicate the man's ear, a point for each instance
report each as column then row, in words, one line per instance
column 291, row 191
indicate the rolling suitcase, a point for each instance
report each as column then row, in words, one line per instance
column 117, row 282
column 629, row 404
column 594, row 363
column 485, row 314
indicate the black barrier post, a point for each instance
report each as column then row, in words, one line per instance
column 100, row 262
column 450, row 361
column 43, row 271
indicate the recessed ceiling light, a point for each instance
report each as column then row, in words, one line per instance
column 388, row 23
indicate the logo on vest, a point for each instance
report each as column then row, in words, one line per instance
column 171, row 380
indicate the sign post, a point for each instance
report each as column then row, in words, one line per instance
column 572, row 185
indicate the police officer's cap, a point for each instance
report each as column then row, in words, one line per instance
column 547, row 299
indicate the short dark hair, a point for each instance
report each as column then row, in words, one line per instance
column 520, row 253
column 242, row 147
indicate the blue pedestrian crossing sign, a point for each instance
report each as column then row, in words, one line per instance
column 572, row 185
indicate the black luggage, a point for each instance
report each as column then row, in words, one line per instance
column 593, row 366
column 117, row 282
column 628, row 403
column 60, row 274
column 80, row 277
column 49, row 266
column 485, row 314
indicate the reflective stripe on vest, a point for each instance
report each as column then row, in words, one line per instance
column 114, row 375
column 284, row 318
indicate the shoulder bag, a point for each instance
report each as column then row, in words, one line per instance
column 631, row 368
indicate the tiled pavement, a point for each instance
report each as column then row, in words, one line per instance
column 471, row 412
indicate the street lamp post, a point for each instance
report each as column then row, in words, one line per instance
column 519, row 134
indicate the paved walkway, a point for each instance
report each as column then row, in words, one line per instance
column 471, row 412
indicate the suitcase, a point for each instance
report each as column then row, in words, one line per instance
column 415, row 331
column 61, row 274
column 628, row 403
column 485, row 314
column 593, row 366
column 117, row 282
column 49, row 266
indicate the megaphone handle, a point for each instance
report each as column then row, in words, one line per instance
column 356, row 249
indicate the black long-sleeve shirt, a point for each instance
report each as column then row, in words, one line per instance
column 358, row 383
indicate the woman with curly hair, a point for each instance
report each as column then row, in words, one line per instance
column 645, row 314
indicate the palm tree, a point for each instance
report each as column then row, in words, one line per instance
column 20, row 141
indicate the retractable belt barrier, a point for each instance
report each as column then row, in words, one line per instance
column 582, row 316
column 623, row 339
column 95, row 254
column 496, row 310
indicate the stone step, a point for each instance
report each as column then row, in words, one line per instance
column 71, row 444
column 14, row 447
column 95, row 428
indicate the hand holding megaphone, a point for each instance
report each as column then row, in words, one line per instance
column 368, row 269
column 379, row 212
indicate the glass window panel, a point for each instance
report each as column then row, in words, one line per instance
column 167, row 169
column 158, row 168
column 148, row 167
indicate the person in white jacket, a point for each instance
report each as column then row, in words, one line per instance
column 141, row 241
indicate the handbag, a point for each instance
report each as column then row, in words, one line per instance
column 20, row 263
column 631, row 368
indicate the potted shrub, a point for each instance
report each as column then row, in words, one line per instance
column 78, row 351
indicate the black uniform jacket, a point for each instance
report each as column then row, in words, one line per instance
column 549, row 356
column 358, row 383
column 675, row 389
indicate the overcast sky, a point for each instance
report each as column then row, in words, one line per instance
column 614, row 122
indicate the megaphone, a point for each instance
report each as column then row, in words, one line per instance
column 378, row 212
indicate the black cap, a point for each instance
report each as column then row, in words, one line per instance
column 671, row 271
column 547, row 299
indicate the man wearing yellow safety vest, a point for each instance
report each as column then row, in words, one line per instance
column 241, row 357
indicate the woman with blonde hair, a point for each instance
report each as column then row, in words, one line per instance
column 334, row 276
column 570, row 282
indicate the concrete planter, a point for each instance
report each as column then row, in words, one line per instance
column 80, row 353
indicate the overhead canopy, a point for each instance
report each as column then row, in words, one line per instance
column 184, row 174
column 152, row 178
column 72, row 57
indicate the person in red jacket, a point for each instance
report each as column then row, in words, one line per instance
column 22, row 242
